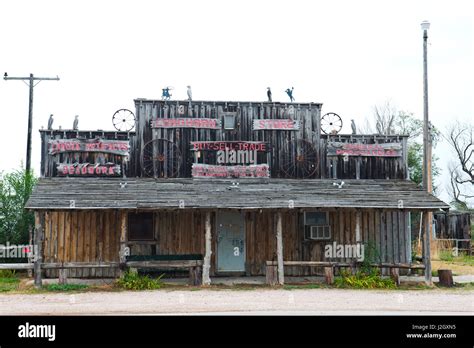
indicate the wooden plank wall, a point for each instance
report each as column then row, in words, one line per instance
column 49, row 162
column 94, row 235
column 362, row 167
column 82, row 236
column 146, row 110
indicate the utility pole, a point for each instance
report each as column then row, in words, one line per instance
column 31, row 83
column 427, row 179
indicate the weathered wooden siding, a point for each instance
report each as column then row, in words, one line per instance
column 365, row 167
column 454, row 225
column 82, row 236
column 50, row 162
column 307, row 114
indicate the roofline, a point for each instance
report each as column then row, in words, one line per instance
column 137, row 100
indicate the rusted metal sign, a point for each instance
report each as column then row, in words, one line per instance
column 276, row 124
column 88, row 169
column 205, row 123
column 369, row 150
column 218, row 171
column 118, row 147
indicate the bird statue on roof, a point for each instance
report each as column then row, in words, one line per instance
column 5, row 75
column 353, row 126
column 269, row 94
column 166, row 95
column 75, row 125
column 290, row 94
column 50, row 122
column 190, row 93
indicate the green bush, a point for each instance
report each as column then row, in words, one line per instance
column 364, row 280
column 133, row 281
column 65, row 287
column 446, row 255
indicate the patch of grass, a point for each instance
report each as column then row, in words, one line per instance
column 364, row 280
column 65, row 287
column 7, row 273
column 462, row 258
column 9, row 284
column 133, row 281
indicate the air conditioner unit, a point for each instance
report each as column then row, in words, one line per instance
column 320, row 232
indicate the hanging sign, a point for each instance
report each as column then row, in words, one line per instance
column 276, row 124
column 87, row 169
column 118, row 147
column 204, row 123
column 368, row 150
column 217, row 171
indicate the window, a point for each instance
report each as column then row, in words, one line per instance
column 229, row 120
column 140, row 226
column 312, row 218
column 316, row 225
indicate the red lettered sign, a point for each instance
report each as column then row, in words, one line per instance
column 276, row 124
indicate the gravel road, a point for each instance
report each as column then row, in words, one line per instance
column 246, row 302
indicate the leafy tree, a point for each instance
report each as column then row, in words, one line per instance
column 15, row 220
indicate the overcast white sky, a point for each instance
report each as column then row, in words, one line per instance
column 348, row 55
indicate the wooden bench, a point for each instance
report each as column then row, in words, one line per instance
column 193, row 262
column 272, row 273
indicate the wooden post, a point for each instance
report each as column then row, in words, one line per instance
column 395, row 275
column 281, row 276
column 271, row 273
column 38, row 247
column 445, row 277
column 123, row 242
column 329, row 275
column 63, row 276
column 30, row 242
column 427, row 249
column 195, row 275
column 206, row 280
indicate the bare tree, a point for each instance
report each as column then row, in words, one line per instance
column 384, row 118
column 461, row 138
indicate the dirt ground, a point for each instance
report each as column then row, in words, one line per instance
column 246, row 302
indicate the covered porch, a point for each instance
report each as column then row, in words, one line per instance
column 252, row 227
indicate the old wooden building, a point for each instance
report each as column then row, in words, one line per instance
column 237, row 188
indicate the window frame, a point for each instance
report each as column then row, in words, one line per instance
column 129, row 230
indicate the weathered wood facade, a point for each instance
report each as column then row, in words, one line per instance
column 230, row 181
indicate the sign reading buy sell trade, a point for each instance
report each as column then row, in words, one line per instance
column 369, row 150
column 232, row 158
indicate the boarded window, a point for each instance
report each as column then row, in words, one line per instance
column 140, row 226
column 314, row 218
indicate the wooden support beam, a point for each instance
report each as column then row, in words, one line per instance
column 329, row 275
column 279, row 237
column 427, row 248
column 357, row 229
column 206, row 280
column 38, row 247
column 271, row 274
column 63, row 276
column 123, row 241
column 395, row 275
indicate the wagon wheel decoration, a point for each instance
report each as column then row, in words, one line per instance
column 331, row 123
column 300, row 161
column 160, row 159
column 124, row 120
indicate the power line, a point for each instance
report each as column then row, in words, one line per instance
column 30, row 81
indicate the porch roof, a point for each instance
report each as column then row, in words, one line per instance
column 137, row 193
